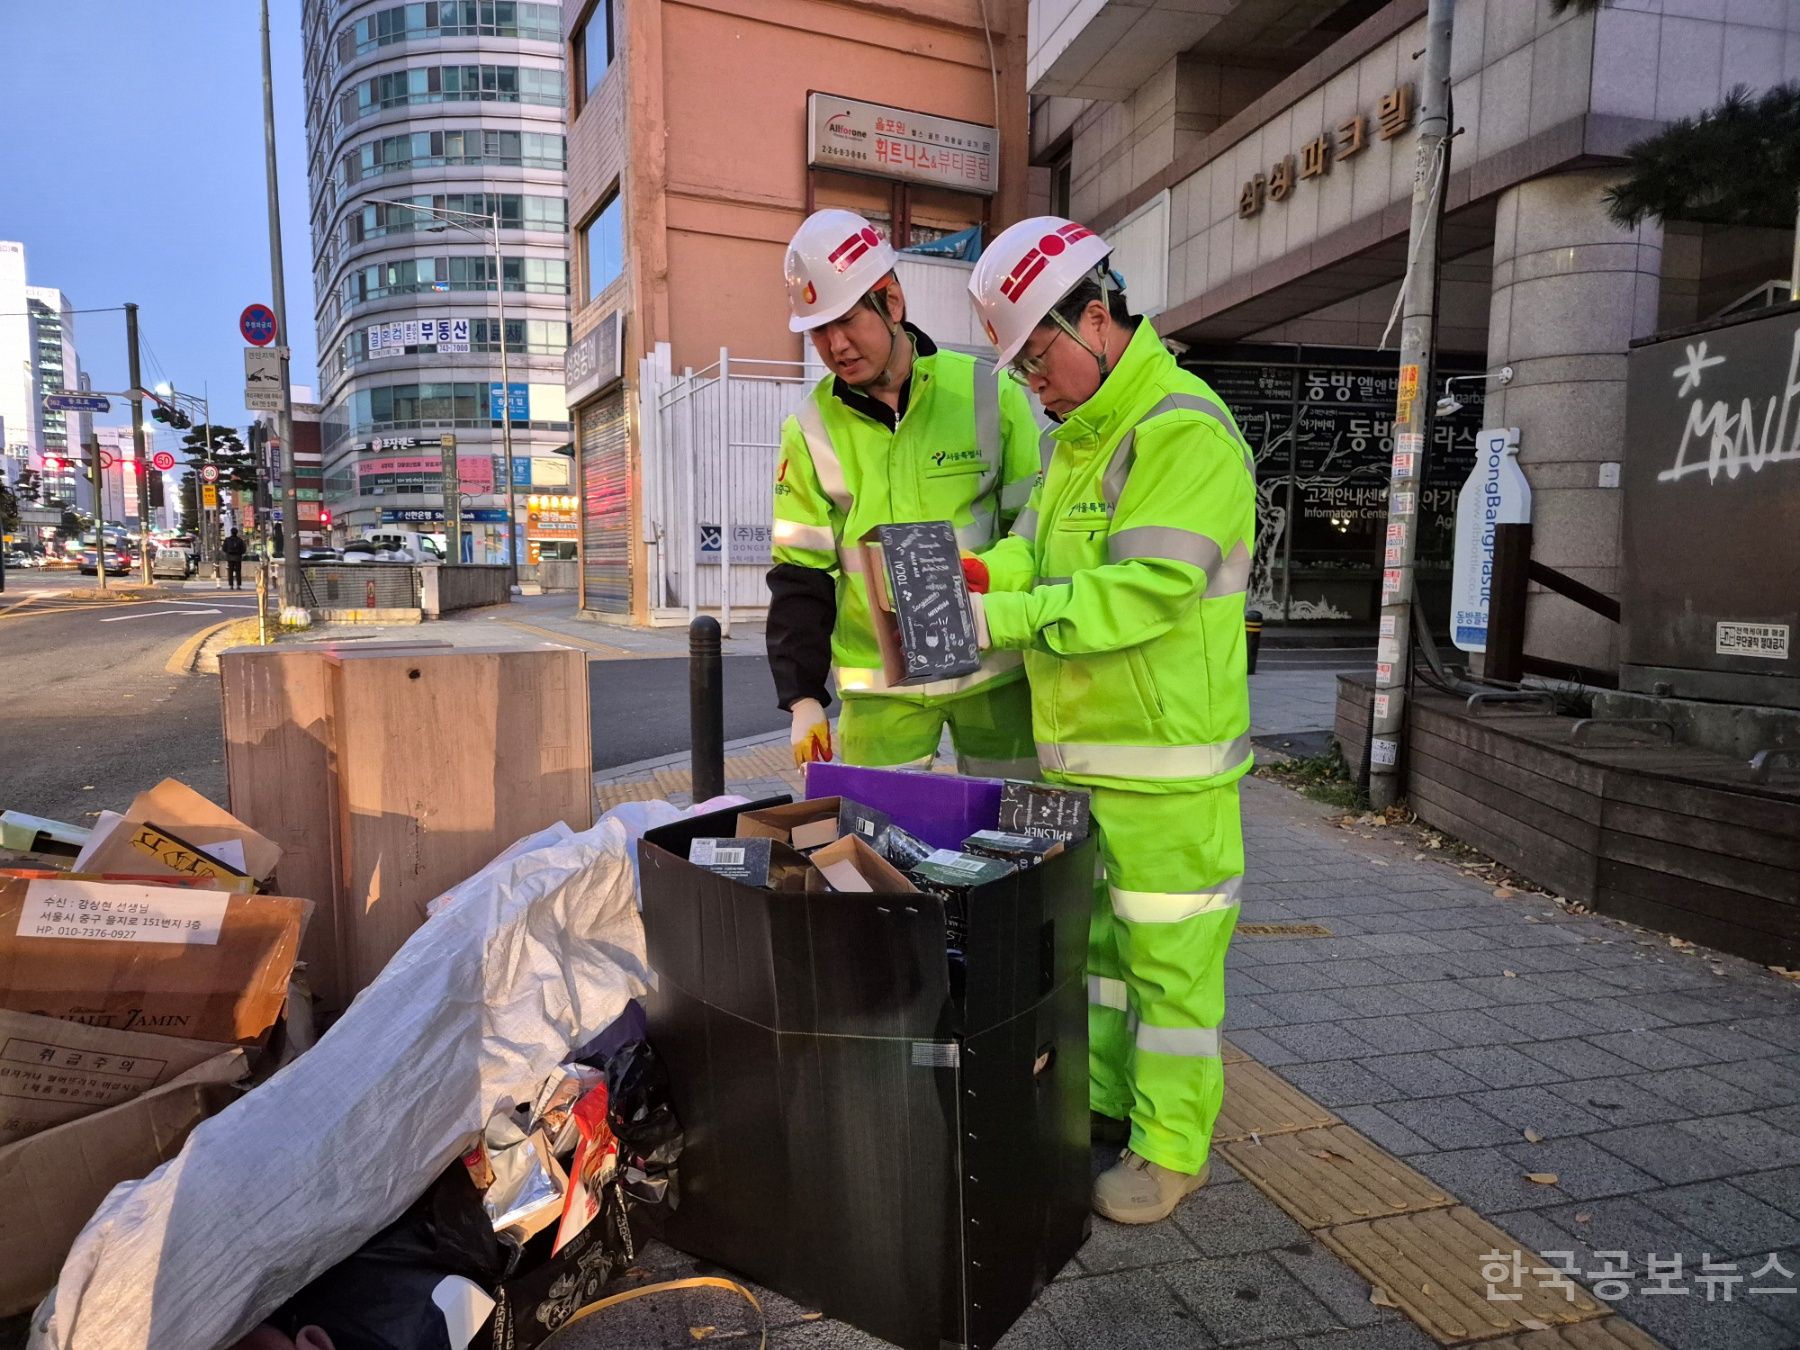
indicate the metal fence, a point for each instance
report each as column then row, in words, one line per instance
column 359, row 586
column 712, row 439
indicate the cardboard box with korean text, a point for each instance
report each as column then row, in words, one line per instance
column 206, row 965
column 53, row 1181
column 920, row 1150
column 171, row 829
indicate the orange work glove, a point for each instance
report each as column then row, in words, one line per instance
column 975, row 572
column 811, row 734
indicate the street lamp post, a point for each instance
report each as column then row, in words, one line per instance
column 458, row 220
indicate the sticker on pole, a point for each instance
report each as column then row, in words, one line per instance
column 1384, row 751
column 257, row 324
column 106, row 912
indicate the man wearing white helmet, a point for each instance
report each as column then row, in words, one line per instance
column 1122, row 582
column 898, row 431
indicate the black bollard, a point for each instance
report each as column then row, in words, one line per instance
column 706, row 708
column 1252, row 635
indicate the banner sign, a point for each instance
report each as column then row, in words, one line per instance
column 392, row 339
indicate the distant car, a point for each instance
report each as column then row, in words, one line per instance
column 18, row 558
column 319, row 553
column 172, row 562
column 374, row 551
column 118, row 564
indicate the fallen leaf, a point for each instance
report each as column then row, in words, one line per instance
column 1418, row 857
column 1532, row 918
column 1542, row 1178
column 1717, row 970
column 1785, row 973
column 811, row 1316
column 1533, row 1137
column 1379, row 1297
column 1680, row 944
column 1504, row 893
column 1583, row 1217
column 1534, row 1324
column 701, row 1333
column 1510, row 974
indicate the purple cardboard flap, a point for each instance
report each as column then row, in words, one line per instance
column 940, row 808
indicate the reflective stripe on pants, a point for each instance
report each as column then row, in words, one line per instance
column 1153, row 1055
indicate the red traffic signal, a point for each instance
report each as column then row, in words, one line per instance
column 324, row 517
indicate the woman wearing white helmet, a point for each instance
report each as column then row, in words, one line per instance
column 898, row 431
column 1123, row 582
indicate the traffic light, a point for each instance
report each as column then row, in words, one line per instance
column 53, row 464
column 325, row 518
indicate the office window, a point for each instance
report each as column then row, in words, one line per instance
column 602, row 246
column 595, row 43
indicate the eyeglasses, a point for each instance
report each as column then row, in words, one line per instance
column 1024, row 368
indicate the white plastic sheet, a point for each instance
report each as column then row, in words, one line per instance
column 534, row 955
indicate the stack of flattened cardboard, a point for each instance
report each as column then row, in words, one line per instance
column 389, row 773
column 130, row 992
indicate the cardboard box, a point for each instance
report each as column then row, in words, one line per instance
column 851, row 865
column 919, row 603
column 753, row 860
column 942, row 809
column 52, row 1071
column 201, row 964
column 858, row 1138
column 1045, row 810
column 1022, row 850
column 138, row 841
column 55, row 1180
column 813, row 824
column 956, row 878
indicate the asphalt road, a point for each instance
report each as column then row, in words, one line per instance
column 91, row 717
column 640, row 708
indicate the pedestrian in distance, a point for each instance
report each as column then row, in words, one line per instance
column 899, row 430
column 1122, row 582
column 234, row 549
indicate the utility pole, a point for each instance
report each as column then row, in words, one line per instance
column 1393, row 668
column 141, row 465
column 99, row 511
column 290, row 495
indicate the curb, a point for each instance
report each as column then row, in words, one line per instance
column 182, row 662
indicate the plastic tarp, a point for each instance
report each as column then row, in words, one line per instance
column 533, row 956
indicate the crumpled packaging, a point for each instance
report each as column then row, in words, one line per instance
column 537, row 954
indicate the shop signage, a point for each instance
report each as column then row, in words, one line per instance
column 749, row 544
column 434, row 515
column 1393, row 115
column 518, row 402
column 398, row 443
column 872, row 138
column 475, row 473
column 392, row 339
column 1496, row 494
column 593, row 360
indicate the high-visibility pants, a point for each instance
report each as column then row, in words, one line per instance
column 989, row 726
column 1164, row 911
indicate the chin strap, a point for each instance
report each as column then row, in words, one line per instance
column 895, row 333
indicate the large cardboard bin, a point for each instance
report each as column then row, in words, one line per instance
column 857, row 1138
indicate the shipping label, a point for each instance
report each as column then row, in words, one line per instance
column 107, row 912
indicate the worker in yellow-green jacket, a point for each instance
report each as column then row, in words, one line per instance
column 1123, row 582
column 898, row 431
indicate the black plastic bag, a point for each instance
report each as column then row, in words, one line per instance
column 379, row 1298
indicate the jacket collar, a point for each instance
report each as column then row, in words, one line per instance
column 1120, row 396
column 873, row 408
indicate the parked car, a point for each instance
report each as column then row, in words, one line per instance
column 19, row 558
column 377, row 551
column 319, row 553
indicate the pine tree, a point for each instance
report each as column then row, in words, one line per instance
column 1736, row 164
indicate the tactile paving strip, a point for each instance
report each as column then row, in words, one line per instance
column 1609, row 1333
column 1430, row 1265
column 1333, row 1176
column 1257, row 1103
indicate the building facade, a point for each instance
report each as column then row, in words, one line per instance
column 428, row 125
column 38, row 357
column 700, row 136
column 1252, row 162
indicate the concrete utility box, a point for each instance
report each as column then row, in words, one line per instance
column 1711, row 577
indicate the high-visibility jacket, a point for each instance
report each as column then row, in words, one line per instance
column 1123, row 583
column 964, row 449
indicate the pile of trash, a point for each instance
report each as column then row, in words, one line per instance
column 457, row 1161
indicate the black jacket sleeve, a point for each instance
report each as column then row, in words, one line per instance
column 802, row 613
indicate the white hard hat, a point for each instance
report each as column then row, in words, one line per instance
column 834, row 259
column 1025, row 271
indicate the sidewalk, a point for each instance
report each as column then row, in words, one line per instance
column 1424, row 1071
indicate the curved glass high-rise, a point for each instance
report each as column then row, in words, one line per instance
column 424, row 120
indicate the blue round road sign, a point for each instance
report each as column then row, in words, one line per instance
column 257, row 324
